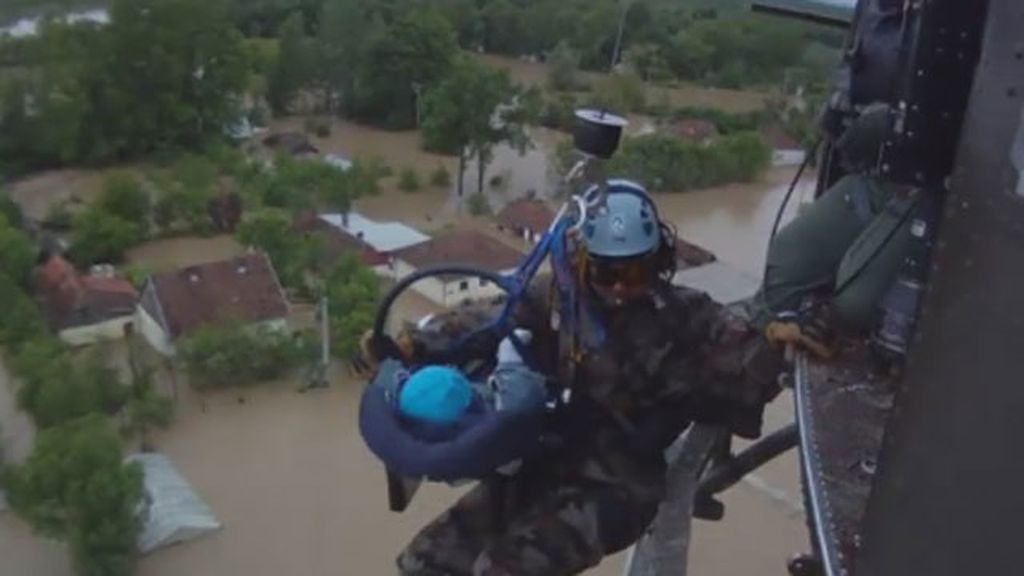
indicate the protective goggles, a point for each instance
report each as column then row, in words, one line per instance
column 629, row 273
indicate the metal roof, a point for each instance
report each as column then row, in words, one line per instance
column 381, row 236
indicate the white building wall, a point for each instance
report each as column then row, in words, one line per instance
column 453, row 292
column 112, row 329
column 153, row 332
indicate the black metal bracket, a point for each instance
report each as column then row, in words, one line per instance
column 726, row 469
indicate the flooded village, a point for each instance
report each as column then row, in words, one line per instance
column 286, row 474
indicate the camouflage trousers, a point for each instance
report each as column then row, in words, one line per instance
column 557, row 531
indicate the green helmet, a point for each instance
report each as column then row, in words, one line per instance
column 625, row 225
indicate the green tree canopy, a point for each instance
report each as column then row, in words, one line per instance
column 124, row 197
column 17, row 252
column 233, row 355
column 292, row 254
column 294, row 67
column 353, row 292
column 410, row 55
column 22, row 320
column 57, row 388
column 75, row 486
column 473, row 109
column 563, row 68
column 99, row 236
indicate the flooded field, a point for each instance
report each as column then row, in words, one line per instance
column 536, row 74
column 734, row 221
column 171, row 253
column 39, row 193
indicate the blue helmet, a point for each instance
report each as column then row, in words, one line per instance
column 436, row 395
column 625, row 225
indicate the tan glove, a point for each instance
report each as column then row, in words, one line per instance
column 365, row 363
column 811, row 330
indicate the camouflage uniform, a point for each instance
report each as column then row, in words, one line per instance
column 674, row 358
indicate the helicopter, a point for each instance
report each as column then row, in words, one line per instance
column 906, row 464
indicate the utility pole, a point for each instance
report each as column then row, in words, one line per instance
column 618, row 36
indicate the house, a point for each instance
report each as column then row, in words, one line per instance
column 85, row 309
column 467, row 247
column 335, row 242
column 695, row 130
column 243, row 289
column 527, row 218
column 294, row 144
column 377, row 241
column 786, row 150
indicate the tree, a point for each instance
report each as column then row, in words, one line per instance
column 75, row 486
column 563, row 68
column 22, row 320
column 472, row 110
column 226, row 355
column 98, row 236
column 353, row 292
column 401, row 60
column 11, row 210
column 189, row 61
column 124, row 197
column 57, row 388
column 343, row 30
column 293, row 255
column 294, row 67
column 408, row 180
column 17, row 253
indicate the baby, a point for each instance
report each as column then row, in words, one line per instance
column 436, row 403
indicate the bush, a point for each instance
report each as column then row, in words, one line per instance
column 222, row 356
column 440, row 177
column 563, row 68
column 99, row 236
column 124, row 197
column 21, row 320
column 559, row 113
column 666, row 163
column 408, row 180
column 478, row 205
column 11, row 210
column 621, row 93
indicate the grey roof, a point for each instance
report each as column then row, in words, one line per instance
column 384, row 237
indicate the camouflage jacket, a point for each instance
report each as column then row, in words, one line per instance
column 666, row 361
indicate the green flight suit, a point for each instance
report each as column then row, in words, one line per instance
column 849, row 245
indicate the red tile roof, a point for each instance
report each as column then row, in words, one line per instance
column 74, row 300
column 526, row 214
column 243, row 289
column 468, row 247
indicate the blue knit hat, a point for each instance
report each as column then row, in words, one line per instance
column 435, row 394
